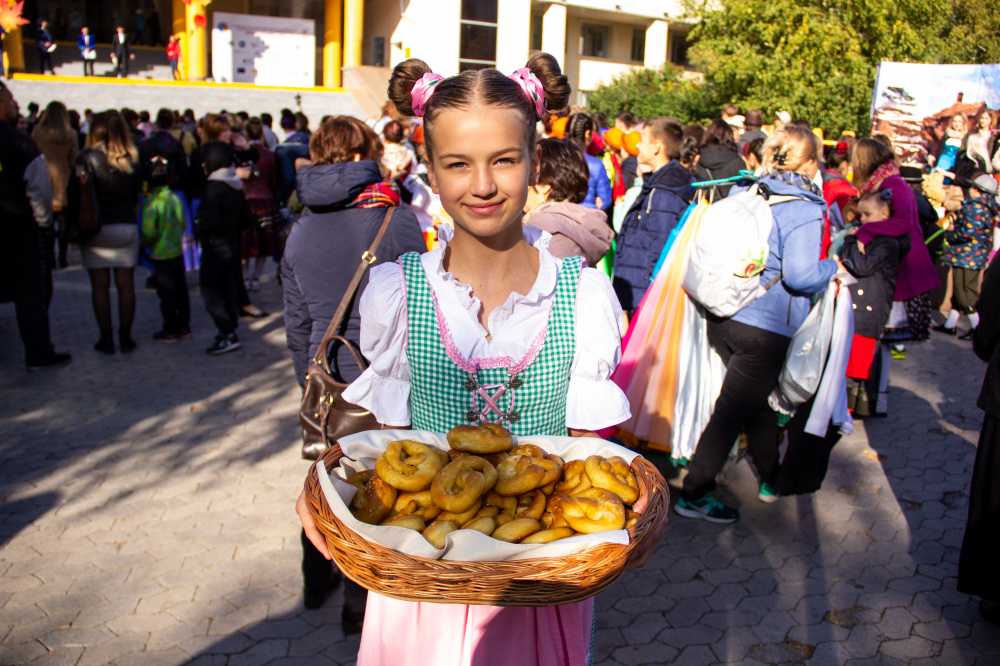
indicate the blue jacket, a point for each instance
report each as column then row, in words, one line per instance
column 664, row 197
column 86, row 43
column 794, row 242
column 598, row 184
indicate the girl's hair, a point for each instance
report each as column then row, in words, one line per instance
column 486, row 87
column 340, row 138
column 301, row 122
column 109, row 134
column 600, row 120
column 577, row 127
column 965, row 120
column 868, row 155
column 789, row 149
column 756, row 148
column 689, row 151
column 564, row 168
column 254, row 129
column 878, row 198
column 695, row 131
column 627, row 119
column 393, row 131
column 214, row 125
column 989, row 113
column 144, row 116
column 55, row 123
column 841, row 151
column 719, row 133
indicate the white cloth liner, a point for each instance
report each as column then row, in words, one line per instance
column 361, row 451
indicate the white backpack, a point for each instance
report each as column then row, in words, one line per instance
column 730, row 250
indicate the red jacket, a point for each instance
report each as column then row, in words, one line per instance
column 173, row 51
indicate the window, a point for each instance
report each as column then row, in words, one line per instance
column 477, row 45
column 537, row 23
column 679, row 50
column 638, row 45
column 594, row 40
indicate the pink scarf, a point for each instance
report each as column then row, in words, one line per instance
column 887, row 170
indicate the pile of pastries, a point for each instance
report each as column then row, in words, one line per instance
column 515, row 494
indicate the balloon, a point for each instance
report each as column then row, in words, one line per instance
column 199, row 21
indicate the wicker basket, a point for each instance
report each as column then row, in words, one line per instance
column 532, row 582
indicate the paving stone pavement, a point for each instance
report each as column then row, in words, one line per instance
column 147, row 517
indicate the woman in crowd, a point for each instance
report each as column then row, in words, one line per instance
column 977, row 142
column 346, row 200
column 949, row 150
column 579, row 130
column 554, row 205
column 58, row 142
column 837, row 189
column 875, row 169
column 719, row 159
column 754, row 341
column 262, row 240
column 112, row 157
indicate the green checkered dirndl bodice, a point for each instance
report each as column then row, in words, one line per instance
column 527, row 395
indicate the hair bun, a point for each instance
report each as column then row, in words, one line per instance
column 554, row 82
column 404, row 76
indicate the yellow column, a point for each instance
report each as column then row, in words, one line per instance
column 354, row 25
column 332, row 46
column 179, row 29
column 13, row 46
column 195, row 24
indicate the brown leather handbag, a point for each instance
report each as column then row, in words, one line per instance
column 324, row 415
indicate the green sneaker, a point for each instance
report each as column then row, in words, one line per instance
column 898, row 352
column 767, row 494
column 707, row 508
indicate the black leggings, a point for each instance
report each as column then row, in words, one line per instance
column 100, row 295
column 754, row 358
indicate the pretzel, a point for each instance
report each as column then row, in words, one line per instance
column 464, row 516
column 408, row 521
column 416, row 504
column 596, row 510
column 575, row 478
column 530, row 505
column 461, row 482
column 483, row 524
column 408, row 465
column 615, row 475
column 553, row 518
column 486, row 438
column 374, row 499
column 436, row 532
column 528, row 450
column 516, row 530
column 553, row 466
column 506, row 506
column 550, row 535
column 519, row 474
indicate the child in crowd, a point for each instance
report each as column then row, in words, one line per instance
column 970, row 240
column 163, row 224
column 398, row 159
column 506, row 306
column 665, row 195
column 223, row 212
column 876, row 266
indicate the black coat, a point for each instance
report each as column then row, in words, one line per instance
column 223, row 213
column 117, row 191
column 121, row 48
column 876, row 270
column 323, row 251
column 717, row 163
column 986, row 337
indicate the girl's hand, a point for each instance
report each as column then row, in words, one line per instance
column 641, row 554
column 309, row 526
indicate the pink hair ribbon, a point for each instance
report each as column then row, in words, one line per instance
column 532, row 87
column 422, row 91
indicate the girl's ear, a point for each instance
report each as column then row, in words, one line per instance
column 536, row 163
column 432, row 177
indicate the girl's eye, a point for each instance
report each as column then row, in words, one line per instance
column 506, row 160
column 456, row 165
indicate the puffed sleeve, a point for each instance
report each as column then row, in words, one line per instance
column 593, row 401
column 384, row 388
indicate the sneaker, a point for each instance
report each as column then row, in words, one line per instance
column 898, row 352
column 707, row 508
column 224, row 344
column 56, row 360
column 164, row 336
column 184, row 332
column 767, row 494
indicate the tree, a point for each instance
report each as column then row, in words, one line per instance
column 974, row 36
column 647, row 93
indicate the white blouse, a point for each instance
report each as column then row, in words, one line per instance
column 593, row 401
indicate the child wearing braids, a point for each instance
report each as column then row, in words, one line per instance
column 490, row 307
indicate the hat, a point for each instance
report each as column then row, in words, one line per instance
column 784, row 117
column 613, row 137
column 559, row 126
column 631, row 142
column 986, row 183
column 753, row 119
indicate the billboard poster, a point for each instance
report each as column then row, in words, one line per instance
column 265, row 50
column 915, row 103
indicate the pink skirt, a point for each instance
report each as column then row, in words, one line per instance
column 403, row 633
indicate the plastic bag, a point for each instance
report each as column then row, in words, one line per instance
column 808, row 350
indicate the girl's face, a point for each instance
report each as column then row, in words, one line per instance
column 481, row 167
column 871, row 211
column 958, row 124
column 985, row 121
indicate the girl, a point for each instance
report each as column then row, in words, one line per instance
column 977, row 143
column 490, row 306
column 947, row 154
column 719, row 158
column 579, row 130
column 263, row 239
column 58, row 142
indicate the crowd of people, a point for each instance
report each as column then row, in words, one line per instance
column 524, row 230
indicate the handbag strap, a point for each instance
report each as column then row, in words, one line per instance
column 367, row 259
